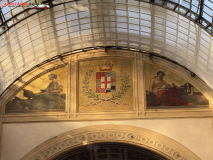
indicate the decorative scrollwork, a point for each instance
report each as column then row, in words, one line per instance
column 37, row 158
column 177, row 155
column 141, row 138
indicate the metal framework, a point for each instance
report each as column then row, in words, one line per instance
column 32, row 36
column 17, row 18
column 186, row 8
column 102, row 151
column 62, row 56
column 196, row 17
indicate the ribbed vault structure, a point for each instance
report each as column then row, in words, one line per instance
column 89, row 23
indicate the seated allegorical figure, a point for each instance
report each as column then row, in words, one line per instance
column 50, row 98
column 55, row 86
column 163, row 92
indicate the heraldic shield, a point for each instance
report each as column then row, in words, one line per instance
column 105, row 82
column 106, row 85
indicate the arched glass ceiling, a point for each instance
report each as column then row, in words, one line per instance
column 198, row 11
column 131, row 24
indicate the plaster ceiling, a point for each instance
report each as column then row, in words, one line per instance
column 80, row 24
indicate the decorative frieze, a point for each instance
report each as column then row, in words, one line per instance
column 111, row 133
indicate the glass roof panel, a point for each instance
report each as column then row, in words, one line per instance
column 188, row 8
column 77, row 25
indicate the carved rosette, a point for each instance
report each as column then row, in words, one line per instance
column 71, row 140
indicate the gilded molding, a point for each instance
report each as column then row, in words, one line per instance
column 140, row 111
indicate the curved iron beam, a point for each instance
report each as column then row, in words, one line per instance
column 61, row 57
column 198, row 17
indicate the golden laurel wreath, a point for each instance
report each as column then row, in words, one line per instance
column 116, row 96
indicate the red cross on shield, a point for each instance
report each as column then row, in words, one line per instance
column 105, row 82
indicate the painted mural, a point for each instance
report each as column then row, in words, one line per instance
column 105, row 85
column 165, row 89
column 46, row 93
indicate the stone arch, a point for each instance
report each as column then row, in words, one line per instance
column 111, row 133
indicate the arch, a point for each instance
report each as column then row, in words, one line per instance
column 111, row 133
column 97, row 52
column 140, row 59
column 140, row 25
column 109, row 150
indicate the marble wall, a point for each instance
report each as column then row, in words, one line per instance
column 195, row 134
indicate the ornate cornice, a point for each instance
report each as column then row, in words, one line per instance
column 111, row 133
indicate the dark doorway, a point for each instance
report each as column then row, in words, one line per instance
column 110, row 151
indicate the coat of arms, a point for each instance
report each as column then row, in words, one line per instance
column 106, row 83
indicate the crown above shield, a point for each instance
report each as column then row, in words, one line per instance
column 105, row 67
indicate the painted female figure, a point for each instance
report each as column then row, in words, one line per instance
column 168, row 95
column 55, row 86
column 50, row 98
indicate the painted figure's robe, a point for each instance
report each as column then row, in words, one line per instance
column 46, row 100
column 169, row 97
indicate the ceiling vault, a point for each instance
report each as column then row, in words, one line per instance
column 166, row 28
